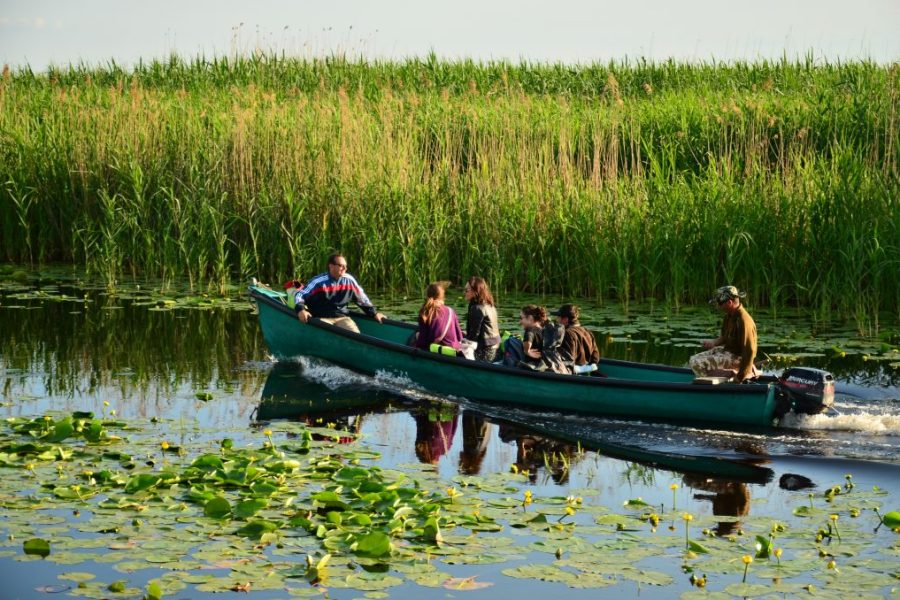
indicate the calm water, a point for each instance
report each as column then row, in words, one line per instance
column 68, row 346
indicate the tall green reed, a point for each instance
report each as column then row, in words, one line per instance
column 646, row 181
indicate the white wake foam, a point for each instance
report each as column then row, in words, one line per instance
column 334, row 377
column 881, row 424
column 330, row 375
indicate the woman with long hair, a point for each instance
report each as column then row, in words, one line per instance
column 438, row 323
column 481, row 320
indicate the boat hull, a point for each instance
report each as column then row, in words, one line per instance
column 380, row 349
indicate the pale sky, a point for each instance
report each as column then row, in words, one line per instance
column 44, row 32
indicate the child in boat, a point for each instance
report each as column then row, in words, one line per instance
column 438, row 323
column 553, row 335
column 532, row 319
column 541, row 339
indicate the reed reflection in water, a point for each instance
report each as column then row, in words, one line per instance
column 88, row 348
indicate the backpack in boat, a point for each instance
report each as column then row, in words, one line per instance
column 552, row 338
column 511, row 350
column 290, row 289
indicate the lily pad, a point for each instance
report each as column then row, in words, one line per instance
column 374, row 544
column 76, row 576
column 217, row 508
column 36, row 547
column 256, row 529
column 748, row 590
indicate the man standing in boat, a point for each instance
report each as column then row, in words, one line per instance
column 327, row 296
column 735, row 348
column 579, row 345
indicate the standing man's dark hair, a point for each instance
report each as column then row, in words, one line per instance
column 333, row 259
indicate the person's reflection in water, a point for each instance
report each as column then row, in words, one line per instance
column 435, row 428
column 729, row 499
column 534, row 452
column 476, row 433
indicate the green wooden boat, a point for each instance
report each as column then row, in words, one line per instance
column 381, row 347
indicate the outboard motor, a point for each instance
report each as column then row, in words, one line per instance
column 805, row 391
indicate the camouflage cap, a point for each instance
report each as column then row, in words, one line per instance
column 726, row 293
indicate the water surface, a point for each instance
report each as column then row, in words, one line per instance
column 66, row 345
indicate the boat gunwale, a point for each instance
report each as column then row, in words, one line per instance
column 759, row 389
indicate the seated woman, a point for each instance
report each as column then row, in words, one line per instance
column 532, row 319
column 438, row 324
column 481, row 320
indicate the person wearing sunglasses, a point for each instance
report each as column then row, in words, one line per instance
column 328, row 295
column 732, row 353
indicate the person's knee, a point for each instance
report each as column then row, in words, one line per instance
column 344, row 323
column 348, row 324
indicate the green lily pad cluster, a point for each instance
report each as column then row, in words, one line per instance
column 302, row 510
column 150, row 297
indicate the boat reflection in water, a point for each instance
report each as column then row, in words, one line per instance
column 287, row 395
column 552, row 449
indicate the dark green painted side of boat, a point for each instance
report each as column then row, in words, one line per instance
column 381, row 348
column 621, row 369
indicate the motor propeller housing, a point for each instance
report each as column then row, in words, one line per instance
column 805, row 390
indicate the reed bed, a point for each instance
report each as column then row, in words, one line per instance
column 629, row 180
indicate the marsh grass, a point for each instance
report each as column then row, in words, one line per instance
column 632, row 181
